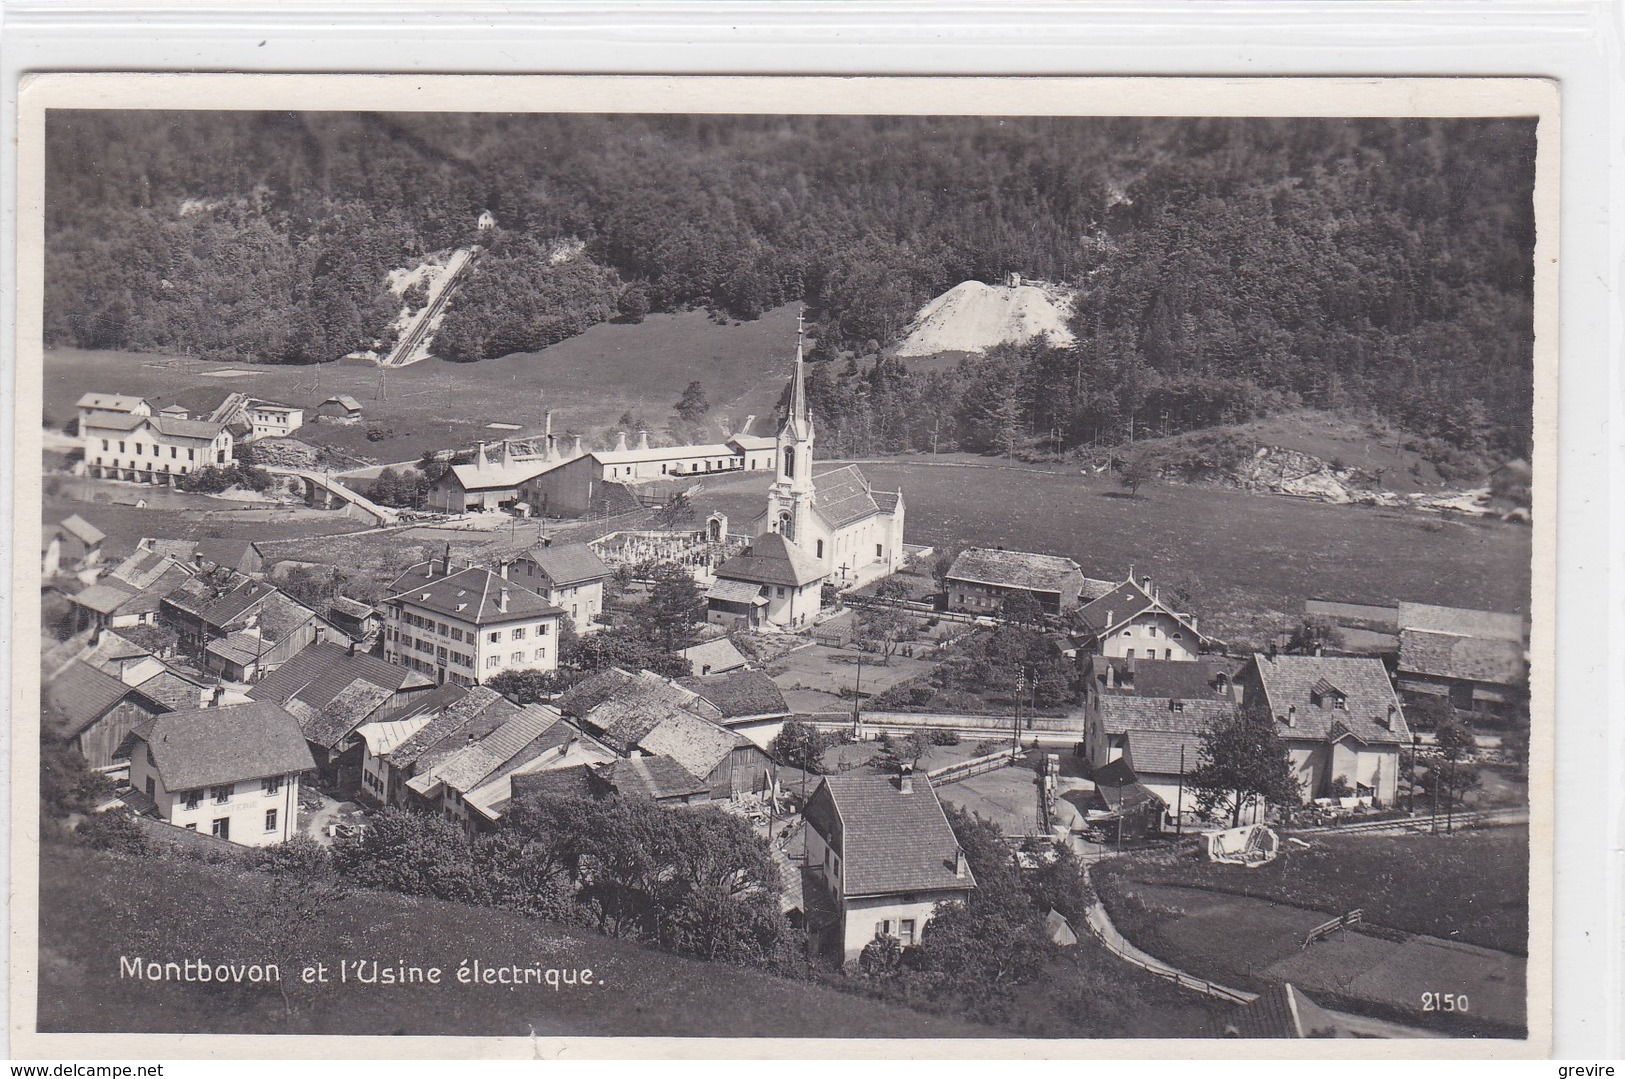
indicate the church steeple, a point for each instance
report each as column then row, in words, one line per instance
column 798, row 415
column 791, row 496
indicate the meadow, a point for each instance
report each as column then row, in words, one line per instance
column 587, row 381
column 1249, row 559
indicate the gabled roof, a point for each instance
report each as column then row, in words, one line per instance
column 517, row 740
column 227, row 552
column 350, row 608
column 1166, row 678
column 240, row 648
column 473, row 595
column 1289, row 682
column 220, row 598
column 842, row 496
column 80, row 695
column 650, row 777
column 1123, row 603
column 772, row 559
column 494, row 475
column 382, row 736
column 192, row 430
column 479, row 710
column 215, row 746
column 1018, row 569
column 747, row 443
column 890, row 841
column 1472, row 659
column 82, row 530
column 105, row 597
column 1119, row 714
column 696, row 744
column 726, row 591
column 345, row 400
column 714, row 657
column 624, row 708
column 319, row 671
column 1489, row 625
column 660, row 453
column 575, row 781
column 739, row 694
column 330, row 724
column 1158, row 752
column 1282, row 1011
column 173, row 690
column 569, row 563
column 110, row 402
column 1120, row 789
column 152, row 559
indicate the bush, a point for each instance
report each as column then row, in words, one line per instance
column 941, row 737
column 115, row 830
column 881, row 957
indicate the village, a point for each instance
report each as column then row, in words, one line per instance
column 579, row 633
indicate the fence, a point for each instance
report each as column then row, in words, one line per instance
column 1103, row 930
column 953, row 773
column 1326, row 928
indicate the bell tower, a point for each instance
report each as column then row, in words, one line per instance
column 791, row 495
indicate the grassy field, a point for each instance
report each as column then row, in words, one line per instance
column 1472, row 887
column 173, row 515
column 1255, row 558
column 588, row 382
column 96, row 907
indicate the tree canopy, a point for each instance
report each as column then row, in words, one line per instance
column 1242, row 761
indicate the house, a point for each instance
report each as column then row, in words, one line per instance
column 771, row 582
column 118, row 404
column 1124, row 807
column 267, row 419
column 378, row 739
column 883, row 854
column 714, row 657
column 93, row 712
column 244, row 628
column 981, row 579
column 332, row 690
column 243, row 555
column 1339, row 717
column 561, row 748
column 489, row 484
column 465, row 625
column 354, row 619
column 740, row 696
column 569, row 576
column 233, row 771
column 725, row 762
column 1210, row 685
column 1131, row 621
column 457, row 715
column 659, row 779
column 131, row 594
column 151, row 449
column 73, row 546
column 619, row 707
column 1477, row 660
column 340, row 408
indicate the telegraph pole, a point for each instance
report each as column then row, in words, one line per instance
column 1179, row 807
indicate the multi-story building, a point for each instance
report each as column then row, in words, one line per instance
column 570, row 576
column 232, row 771
column 131, row 445
column 465, row 625
column 270, row 420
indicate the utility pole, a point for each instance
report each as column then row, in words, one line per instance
column 1015, row 725
column 1179, row 807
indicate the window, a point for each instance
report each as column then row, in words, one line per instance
column 140, row 450
column 493, row 662
column 1340, row 702
column 151, row 789
column 1178, row 636
column 781, row 590
column 820, row 548
column 174, row 452
column 905, row 932
column 883, row 928
column 518, row 633
column 496, row 637
column 1150, row 629
column 441, row 628
column 1129, row 632
column 517, row 657
column 104, row 444
column 192, row 798
column 541, row 653
column 121, row 447
column 456, row 634
column 271, row 785
column 270, row 820
column 222, row 795
column 541, row 630
column 191, row 827
column 878, row 551
column 221, row 828
column 1129, row 654
column 191, row 455
column 1167, row 653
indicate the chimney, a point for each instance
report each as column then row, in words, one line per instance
column 1292, row 715
column 643, row 440
column 353, row 647
column 961, row 867
column 507, row 453
column 575, row 450
column 1111, row 675
column 905, row 779
column 502, row 601
column 217, row 696
column 1393, row 713
column 321, row 633
column 620, row 441
column 445, row 565
column 1145, row 585
column 479, row 458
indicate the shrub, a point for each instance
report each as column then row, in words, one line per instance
column 881, row 957
column 115, row 830
column 944, row 737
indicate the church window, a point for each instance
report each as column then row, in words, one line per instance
column 820, row 548
column 790, row 462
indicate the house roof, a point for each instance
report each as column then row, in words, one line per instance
column 1120, row 789
column 151, row 636
column 321, row 670
column 626, row 708
column 352, row 608
column 650, row 777
column 1119, row 714
column 842, row 496
column 111, row 402
column 1017, row 569
column 82, row 530
column 1166, row 677
column 890, row 841
column 192, row 430
column 240, row 648
column 661, row 453
column 772, row 559
column 696, row 744
column 382, row 736
column 739, row 693
column 1473, row 659
column 477, row 711
column 509, row 745
column 1288, row 682
column 214, row 746
column 1490, row 625
column 345, row 400
column 472, row 595
column 173, row 690
column 78, row 696
column 219, row 598
column 572, row 782
column 329, row 724
column 726, row 591
column 430, row 702
column 1158, row 752
column 1282, row 1011
column 715, row 657
column 1124, row 602
column 494, row 475
column 226, row 552
column 747, row 443
column 569, row 563
column 105, row 597
column 148, row 565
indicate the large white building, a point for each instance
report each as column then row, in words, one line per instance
column 133, row 444
column 465, row 625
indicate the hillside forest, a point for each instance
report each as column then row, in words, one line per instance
column 1226, row 269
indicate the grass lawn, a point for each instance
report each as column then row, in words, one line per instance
column 1255, row 557
column 588, row 382
column 96, row 907
column 1472, row 887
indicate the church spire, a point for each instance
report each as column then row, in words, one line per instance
column 798, row 416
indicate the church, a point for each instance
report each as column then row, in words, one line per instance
column 832, row 528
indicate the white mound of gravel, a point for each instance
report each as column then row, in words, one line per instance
column 973, row 317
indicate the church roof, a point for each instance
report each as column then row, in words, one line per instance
column 772, row 559
column 842, row 496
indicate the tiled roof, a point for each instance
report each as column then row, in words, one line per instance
column 754, row 442
column 227, row 552
column 240, row 648
column 346, row 400
column 353, row 608
column 592, row 691
column 172, row 690
column 79, row 696
column 383, row 736
column 1166, row 677
column 714, row 657
column 105, row 597
column 113, row 421
column 1490, row 625
column 1018, row 569
column 148, row 565
column 478, row 711
column 214, row 746
column 430, row 702
column 1158, row 752
column 624, row 708
column 741, row 693
column 842, row 496
column 156, row 639
column 889, row 841
column 513, row 743
column 219, row 598
column 194, row 430
column 569, row 563
column 697, row 745
column 319, row 671
column 494, row 475
column 1119, row 787
column 112, row 402
column 772, row 559
column 572, row 782
column 329, row 724
column 650, row 777
column 1473, row 659
column 82, row 530
column 726, row 591
column 1119, row 714
column 472, row 595
column 1368, row 695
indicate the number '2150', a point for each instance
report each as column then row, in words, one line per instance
column 1444, row 1002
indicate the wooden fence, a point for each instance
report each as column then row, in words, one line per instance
column 953, row 773
column 1326, row 928
column 1103, row 930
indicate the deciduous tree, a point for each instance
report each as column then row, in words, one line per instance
column 1242, row 761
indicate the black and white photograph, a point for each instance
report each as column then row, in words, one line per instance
column 619, row 568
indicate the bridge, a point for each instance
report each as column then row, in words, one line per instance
column 325, row 491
